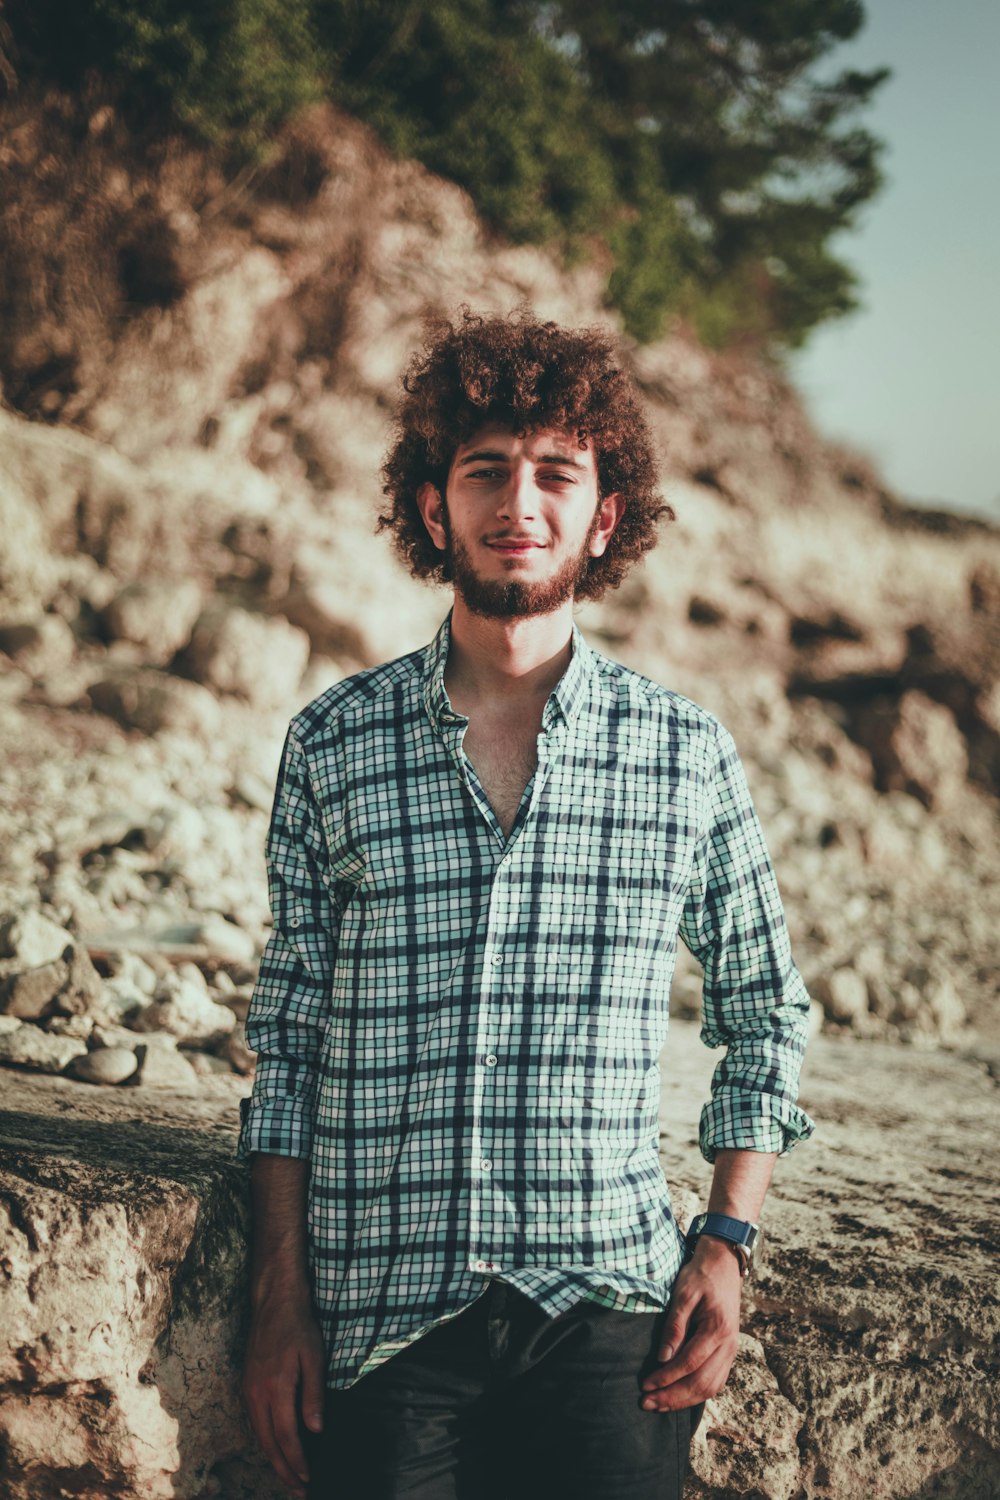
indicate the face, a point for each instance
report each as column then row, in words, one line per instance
column 521, row 518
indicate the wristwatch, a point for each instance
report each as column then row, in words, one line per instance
column 747, row 1240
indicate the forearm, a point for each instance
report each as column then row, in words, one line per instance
column 279, row 1263
column 740, row 1182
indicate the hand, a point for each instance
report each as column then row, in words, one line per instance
column 284, row 1370
column 701, row 1332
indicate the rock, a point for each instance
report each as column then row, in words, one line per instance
column 45, row 644
column 32, row 939
column 110, row 1035
column 916, row 747
column 127, row 1281
column 164, row 1067
column 129, row 968
column 9, row 1024
column 151, row 701
column 236, row 1052
column 30, row 1047
column 122, row 999
column 205, row 1065
column 226, row 941
column 184, row 1010
column 157, row 615
column 255, row 657
column 105, row 1065
column 750, row 1430
column 174, row 833
column 844, row 996
column 33, row 993
column 80, row 1026
column 83, row 989
column 96, row 1241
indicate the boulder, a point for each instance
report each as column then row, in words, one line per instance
column 182, row 1007
column 68, row 985
column 156, row 614
column 151, row 701
column 916, row 747
column 252, row 656
column 32, row 938
column 40, row 645
column 164, row 1067
column 875, row 1308
column 31, row 1047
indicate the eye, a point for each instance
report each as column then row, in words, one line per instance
column 486, row 474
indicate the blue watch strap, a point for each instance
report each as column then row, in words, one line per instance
column 738, row 1231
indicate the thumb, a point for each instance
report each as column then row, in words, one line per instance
column 312, row 1394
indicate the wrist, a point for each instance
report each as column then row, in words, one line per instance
column 710, row 1251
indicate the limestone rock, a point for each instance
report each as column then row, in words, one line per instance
column 164, row 1067
column 68, row 986
column 105, row 1065
column 44, row 644
column 183, row 1009
column 917, row 748
column 157, row 615
column 875, row 1306
column 33, row 992
column 153, row 701
column 205, row 1065
column 844, row 996
column 30, row 1047
column 32, row 938
column 256, row 658
column 236, row 1052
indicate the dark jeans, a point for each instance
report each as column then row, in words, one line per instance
column 503, row 1402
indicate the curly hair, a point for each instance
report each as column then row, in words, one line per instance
column 528, row 376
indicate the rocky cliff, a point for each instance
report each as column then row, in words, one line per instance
column 198, row 373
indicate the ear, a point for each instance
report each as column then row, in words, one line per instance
column 609, row 513
column 431, row 506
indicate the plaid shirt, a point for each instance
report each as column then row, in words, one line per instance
column 462, row 1031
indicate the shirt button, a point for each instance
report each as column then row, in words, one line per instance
column 491, row 1060
column 294, row 922
column 486, row 1164
column 496, row 958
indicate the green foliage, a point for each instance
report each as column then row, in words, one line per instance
column 227, row 70
column 692, row 144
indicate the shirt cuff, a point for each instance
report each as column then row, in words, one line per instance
column 745, row 1120
column 277, row 1127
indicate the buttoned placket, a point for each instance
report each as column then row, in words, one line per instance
column 486, row 1212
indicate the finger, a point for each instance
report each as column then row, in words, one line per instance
column 693, row 1355
column 313, row 1391
column 702, row 1385
column 272, row 1448
column 286, row 1433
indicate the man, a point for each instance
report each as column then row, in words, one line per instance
column 467, row 1279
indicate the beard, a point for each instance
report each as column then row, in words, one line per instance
column 496, row 600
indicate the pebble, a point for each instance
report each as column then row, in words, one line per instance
column 106, row 1065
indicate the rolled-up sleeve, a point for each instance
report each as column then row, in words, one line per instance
column 754, row 1000
column 290, row 1006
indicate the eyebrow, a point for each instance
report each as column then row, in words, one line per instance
column 495, row 456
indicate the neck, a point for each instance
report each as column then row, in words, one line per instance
column 515, row 661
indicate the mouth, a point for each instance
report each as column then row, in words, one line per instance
column 512, row 547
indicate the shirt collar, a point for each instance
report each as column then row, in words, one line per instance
column 567, row 697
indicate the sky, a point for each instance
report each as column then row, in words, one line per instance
column 913, row 379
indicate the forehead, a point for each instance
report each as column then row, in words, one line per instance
column 545, row 445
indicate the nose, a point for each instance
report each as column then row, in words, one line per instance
column 519, row 497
